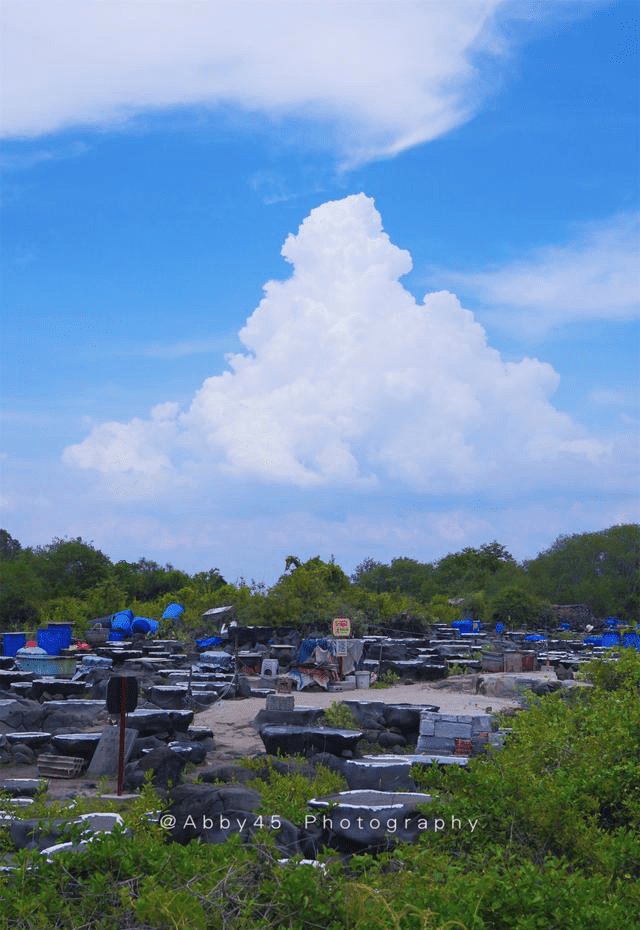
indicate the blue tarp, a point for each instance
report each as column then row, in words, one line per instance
column 208, row 642
column 220, row 660
column 308, row 647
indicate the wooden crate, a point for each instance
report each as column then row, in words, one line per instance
column 60, row 766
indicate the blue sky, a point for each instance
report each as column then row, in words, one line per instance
column 158, row 401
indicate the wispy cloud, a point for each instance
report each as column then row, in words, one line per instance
column 606, row 397
column 272, row 187
column 595, row 277
column 22, row 161
column 379, row 77
column 183, row 349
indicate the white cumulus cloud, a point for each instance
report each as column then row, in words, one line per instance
column 385, row 75
column 348, row 381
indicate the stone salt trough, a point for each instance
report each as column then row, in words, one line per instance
column 38, row 662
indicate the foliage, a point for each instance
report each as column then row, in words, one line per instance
column 387, row 679
column 609, row 674
column 519, row 608
column 70, row 579
column 455, row 670
column 555, row 845
column 286, row 794
column 599, row 569
column 566, row 784
column 339, row 715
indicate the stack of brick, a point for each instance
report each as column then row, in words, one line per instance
column 453, row 734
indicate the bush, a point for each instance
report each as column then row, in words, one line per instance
column 339, row 715
column 387, row 680
column 287, row 794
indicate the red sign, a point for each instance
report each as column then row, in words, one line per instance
column 342, row 626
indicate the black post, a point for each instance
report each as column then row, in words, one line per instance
column 123, row 724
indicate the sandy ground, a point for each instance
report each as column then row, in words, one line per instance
column 235, row 736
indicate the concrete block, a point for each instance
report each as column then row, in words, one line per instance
column 280, row 702
column 435, row 745
column 453, row 730
column 481, row 724
column 427, row 727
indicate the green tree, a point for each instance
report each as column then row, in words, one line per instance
column 10, row 548
column 71, row 566
column 21, row 591
column 483, row 569
column 517, row 607
column 599, row 569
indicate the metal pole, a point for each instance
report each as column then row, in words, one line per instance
column 123, row 724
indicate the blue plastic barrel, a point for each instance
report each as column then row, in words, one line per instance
column 500, row 627
column 121, row 622
column 11, row 642
column 144, row 625
column 172, row 610
column 116, row 636
column 49, row 640
column 64, row 631
column 609, row 640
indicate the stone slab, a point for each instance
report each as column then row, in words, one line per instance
column 105, row 757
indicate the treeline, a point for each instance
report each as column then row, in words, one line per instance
column 71, row 580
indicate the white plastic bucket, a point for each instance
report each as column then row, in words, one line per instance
column 363, row 679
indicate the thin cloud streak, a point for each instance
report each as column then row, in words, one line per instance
column 596, row 277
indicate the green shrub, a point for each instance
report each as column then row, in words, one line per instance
column 339, row 715
column 611, row 674
column 287, row 794
column 387, row 680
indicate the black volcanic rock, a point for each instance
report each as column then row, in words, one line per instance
column 290, row 741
